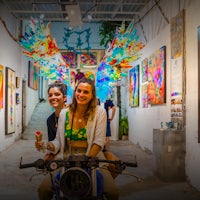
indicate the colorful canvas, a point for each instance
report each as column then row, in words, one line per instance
column 90, row 74
column 156, row 77
column 1, row 86
column 177, row 35
column 70, row 58
column 88, row 60
column 10, row 101
column 72, row 79
column 144, row 70
column 134, row 86
column 33, row 73
column 144, row 96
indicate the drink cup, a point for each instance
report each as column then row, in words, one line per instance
column 38, row 136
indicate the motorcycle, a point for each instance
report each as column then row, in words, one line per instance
column 81, row 178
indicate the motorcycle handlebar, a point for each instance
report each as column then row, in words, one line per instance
column 128, row 164
column 72, row 161
column 39, row 164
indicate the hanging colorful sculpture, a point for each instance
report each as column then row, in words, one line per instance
column 119, row 54
column 43, row 51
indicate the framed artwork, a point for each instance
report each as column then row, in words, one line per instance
column 90, row 74
column 134, row 86
column 144, row 96
column 17, row 82
column 33, row 73
column 144, row 70
column 70, row 58
column 1, row 86
column 10, row 101
column 156, row 77
column 88, row 60
column 177, row 35
column 72, row 78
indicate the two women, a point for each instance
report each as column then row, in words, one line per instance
column 81, row 130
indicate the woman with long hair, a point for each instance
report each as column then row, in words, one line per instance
column 81, row 130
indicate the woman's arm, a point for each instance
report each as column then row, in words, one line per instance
column 97, row 132
column 58, row 142
column 95, row 149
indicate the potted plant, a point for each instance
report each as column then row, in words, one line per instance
column 123, row 128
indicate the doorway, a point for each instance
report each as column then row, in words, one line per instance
column 23, row 105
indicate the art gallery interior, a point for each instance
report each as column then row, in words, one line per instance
column 158, row 79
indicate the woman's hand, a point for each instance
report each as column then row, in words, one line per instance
column 49, row 156
column 50, row 146
column 39, row 145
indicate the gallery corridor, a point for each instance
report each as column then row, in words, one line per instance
column 15, row 183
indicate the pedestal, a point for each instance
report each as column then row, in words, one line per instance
column 169, row 154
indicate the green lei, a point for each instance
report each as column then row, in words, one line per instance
column 71, row 134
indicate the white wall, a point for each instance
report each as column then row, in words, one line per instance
column 142, row 121
column 192, row 145
column 11, row 56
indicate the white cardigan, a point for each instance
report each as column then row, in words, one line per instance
column 95, row 130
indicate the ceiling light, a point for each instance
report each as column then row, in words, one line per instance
column 89, row 17
column 42, row 16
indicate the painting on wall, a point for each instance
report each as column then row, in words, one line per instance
column 88, row 60
column 156, row 77
column 1, row 86
column 134, row 86
column 10, row 101
column 33, row 73
column 177, row 35
column 144, row 70
column 144, row 96
column 72, row 78
column 90, row 74
column 70, row 58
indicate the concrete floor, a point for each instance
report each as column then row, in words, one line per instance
column 15, row 183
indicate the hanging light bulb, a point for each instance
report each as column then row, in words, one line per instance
column 89, row 17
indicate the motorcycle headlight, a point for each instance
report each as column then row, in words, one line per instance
column 75, row 182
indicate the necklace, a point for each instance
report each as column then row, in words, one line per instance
column 79, row 118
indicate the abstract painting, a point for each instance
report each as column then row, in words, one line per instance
column 88, row 60
column 144, row 96
column 33, row 73
column 144, row 70
column 90, row 74
column 70, row 58
column 134, row 86
column 156, row 77
column 177, row 35
column 10, row 101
